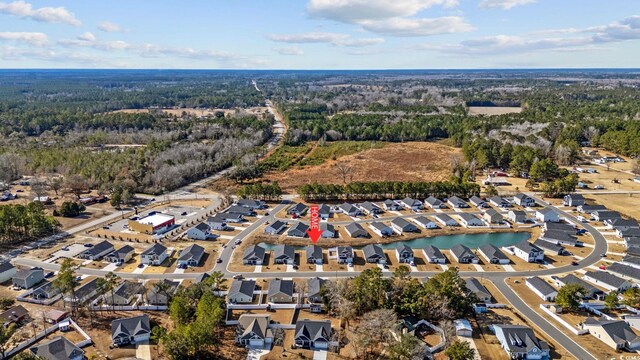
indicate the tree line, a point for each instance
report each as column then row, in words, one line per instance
column 25, row 222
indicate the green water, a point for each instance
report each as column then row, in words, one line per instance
column 472, row 241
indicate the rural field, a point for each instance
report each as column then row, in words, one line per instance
column 494, row 110
column 410, row 161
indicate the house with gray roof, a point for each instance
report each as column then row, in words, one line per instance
column 499, row 201
column 476, row 287
column 381, row 229
column 541, row 288
column 517, row 216
column 124, row 293
column 314, row 289
column 425, row 222
column 299, row 230
column 253, row 255
column 494, row 255
column 158, row 295
column 492, row 216
column 373, row 253
column 312, row 334
column 603, row 215
column 607, row 280
column 560, row 238
column 550, row 248
column 280, row 291
column 328, row 230
column 404, row 254
column 191, row 256
column 369, row 208
column 527, row 251
column 591, row 291
column 573, row 200
column 241, row 291
column 345, row 254
column 14, row 315
column 445, row 220
column 620, row 224
column 434, row 255
column 469, row 220
column 58, row 348
column 519, row 342
column 411, row 204
column 617, row 334
column 560, row 227
column 131, row 330
column 629, row 233
column 284, row 254
column 45, row 291
column 253, row 331
column 244, row 211
column 400, row 225
column 324, row 211
column 154, row 255
column 464, row 255
column 630, row 273
column 355, row 230
column 252, row 204
column 275, row 227
column 457, row 203
column 524, row 200
column 97, row 251
column 298, row 209
column 219, row 221
column 314, row 254
column 7, row 271
column 84, row 292
column 547, row 214
column 434, row 202
column 478, row 202
column 350, row 209
column 632, row 261
column 589, row 209
column 121, row 255
column 391, row 205
column 201, row 231
column 28, row 278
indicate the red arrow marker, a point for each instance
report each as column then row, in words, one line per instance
column 314, row 226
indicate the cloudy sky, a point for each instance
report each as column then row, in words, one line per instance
column 319, row 34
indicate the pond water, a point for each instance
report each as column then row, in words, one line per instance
column 472, row 241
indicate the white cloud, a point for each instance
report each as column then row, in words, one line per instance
column 359, row 42
column 418, row 27
column 504, row 4
column 289, row 50
column 354, row 11
column 31, row 38
column 87, row 37
column 47, row 14
column 89, row 40
column 108, row 26
column 336, row 39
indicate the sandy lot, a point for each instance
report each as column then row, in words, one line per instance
column 494, row 110
column 429, row 162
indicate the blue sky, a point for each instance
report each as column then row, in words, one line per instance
column 319, row 34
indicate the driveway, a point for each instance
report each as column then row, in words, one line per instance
column 143, row 350
column 256, row 354
column 320, row 355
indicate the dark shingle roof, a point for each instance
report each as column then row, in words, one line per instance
column 59, row 348
column 433, row 252
column 313, row 330
column 542, row 286
column 373, row 250
column 245, row 287
column 133, row 326
column 156, row 249
column 606, row 278
column 194, row 252
column 520, row 339
column 277, row 286
column 491, row 251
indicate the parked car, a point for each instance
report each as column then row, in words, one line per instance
column 219, row 261
column 49, row 275
column 88, row 245
column 574, row 263
column 184, row 213
column 602, row 267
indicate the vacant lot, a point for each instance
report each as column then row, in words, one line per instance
column 626, row 204
column 411, row 161
column 493, row 110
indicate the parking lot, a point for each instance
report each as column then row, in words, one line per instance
column 182, row 214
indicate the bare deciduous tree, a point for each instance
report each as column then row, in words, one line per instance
column 344, row 170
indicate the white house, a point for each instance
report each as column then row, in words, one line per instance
column 607, row 280
column 517, row 216
column 411, row 204
column 617, row 334
column 457, row 203
column 542, row 288
column 201, row 231
column 445, row 220
column 547, row 214
column 524, row 200
column 401, row 225
column 381, row 229
column 6, row 271
column 425, row 222
column 434, row 255
column 527, row 251
column 154, row 255
column 469, row 220
column 434, row 202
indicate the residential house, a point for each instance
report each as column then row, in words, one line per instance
column 560, row 227
column 123, row 294
column 517, row 216
column 252, row 204
column 314, row 289
column 58, row 348
column 97, row 251
column 607, row 280
column 345, row 254
column 457, row 203
column 625, row 271
column 499, row 201
column 14, row 315
column 201, row 231
column 434, row 202
column 7, row 271
column 476, row 287
column 463, row 328
column 350, row 209
column 84, row 292
column 550, row 248
column 589, row 209
column 630, row 260
column 434, row 255
column 411, row 204
column 524, row 200
column 527, row 251
column 560, row 238
column 445, row 220
column 391, row 205
column 27, row 278
column 591, row 291
column 617, row 334
column 244, row 211
column 46, row 291
column 280, row 291
column 622, row 224
column 493, row 254
column 121, row 255
column 469, row 220
column 328, row 230
column 464, row 255
column 400, row 225
column 404, row 254
column 298, row 230
column 275, row 227
column 425, row 222
column 547, row 214
column 374, row 254
column 381, row 229
column 491, row 216
column 312, row 334
column 478, row 202
column 219, row 222
column 324, row 211
column 159, row 295
column 191, row 256
column 542, row 288
column 631, row 233
column 369, row 208
column 253, row 255
column 241, row 291
column 602, row 215
column 131, row 330
column 154, row 255
column 314, row 254
column 573, row 200
column 298, row 209
column 519, row 342
column 355, row 230
column 253, row 331
column 284, row 254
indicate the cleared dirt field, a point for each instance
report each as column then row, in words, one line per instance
column 494, row 110
column 411, row 161
column 191, row 111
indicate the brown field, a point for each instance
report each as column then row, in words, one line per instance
column 410, row 161
column 626, row 204
column 494, row 110
column 191, row 111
